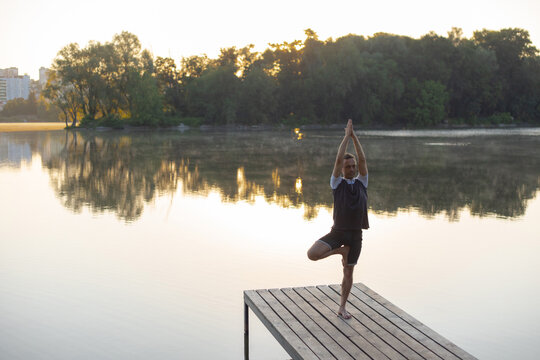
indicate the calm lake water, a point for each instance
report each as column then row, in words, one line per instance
column 137, row 245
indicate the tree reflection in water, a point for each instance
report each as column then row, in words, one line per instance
column 489, row 175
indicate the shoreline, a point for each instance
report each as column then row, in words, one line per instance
column 282, row 127
column 48, row 126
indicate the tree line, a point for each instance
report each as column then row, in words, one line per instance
column 384, row 80
column 32, row 108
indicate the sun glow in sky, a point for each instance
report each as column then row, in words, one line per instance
column 33, row 31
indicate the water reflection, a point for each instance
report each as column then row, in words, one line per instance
column 298, row 186
column 16, row 149
column 298, row 134
column 122, row 172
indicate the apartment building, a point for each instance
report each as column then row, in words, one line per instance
column 13, row 86
column 43, row 76
column 3, row 92
column 11, row 72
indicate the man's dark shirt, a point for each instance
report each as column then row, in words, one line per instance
column 350, row 203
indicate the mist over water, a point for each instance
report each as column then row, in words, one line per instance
column 128, row 245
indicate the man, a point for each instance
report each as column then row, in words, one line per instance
column 350, row 213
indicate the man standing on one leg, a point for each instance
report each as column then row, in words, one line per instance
column 350, row 213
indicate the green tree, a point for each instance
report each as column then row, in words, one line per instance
column 515, row 52
column 292, row 96
column 193, row 67
column 168, row 79
column 20, row 106
column 128, row 49
column 146, row 100
column 431, row 98
column 474, row 88
column 69, row 70
column 65, row 96
column 257, row 101
column 213, row 95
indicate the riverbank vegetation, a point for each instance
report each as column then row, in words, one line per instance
column 380, row 81
column 33, row 109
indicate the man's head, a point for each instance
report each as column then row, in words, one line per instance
column 349, row 166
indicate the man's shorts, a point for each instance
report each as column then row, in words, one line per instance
column 353, row 239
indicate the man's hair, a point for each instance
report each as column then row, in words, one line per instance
column 348, row 156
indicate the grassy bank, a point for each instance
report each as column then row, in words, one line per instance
column 31, row 126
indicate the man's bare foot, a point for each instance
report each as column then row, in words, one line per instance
column 344, row 314
column 345, row 254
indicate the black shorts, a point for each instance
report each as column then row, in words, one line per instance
column 353, row 239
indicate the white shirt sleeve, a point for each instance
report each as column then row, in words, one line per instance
column 363, row 179
column 335, row 181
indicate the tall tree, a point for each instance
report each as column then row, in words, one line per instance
column 128, row 50
column 513, row 49
column 169, row 83
column 65, row 96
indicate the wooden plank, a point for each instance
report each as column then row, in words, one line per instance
column 295, row 318
column 332, row 324
column 363, row 337
column 385, row 341
column 292, row 344
column 304, row 321
column 428, row 343
column 390, row 327
column 447, row 344
column 334, row 341
column 362, row 347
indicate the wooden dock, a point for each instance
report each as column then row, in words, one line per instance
column 304, row 321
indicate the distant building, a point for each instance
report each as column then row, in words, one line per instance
column 18, row 87
column 4, row 74
column 12, row 72
column 35, row 87
column 43, row 76
column 13, row 86
column 3, row 92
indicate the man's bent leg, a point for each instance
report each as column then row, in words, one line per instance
column 320, row 250
column 346, row 286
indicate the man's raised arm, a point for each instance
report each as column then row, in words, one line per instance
column 338, row 165
column 362, row 164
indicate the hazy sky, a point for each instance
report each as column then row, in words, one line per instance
column 33, row 31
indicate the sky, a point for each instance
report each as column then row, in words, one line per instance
column 33, row 31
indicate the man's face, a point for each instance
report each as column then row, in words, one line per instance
column 349, row 168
